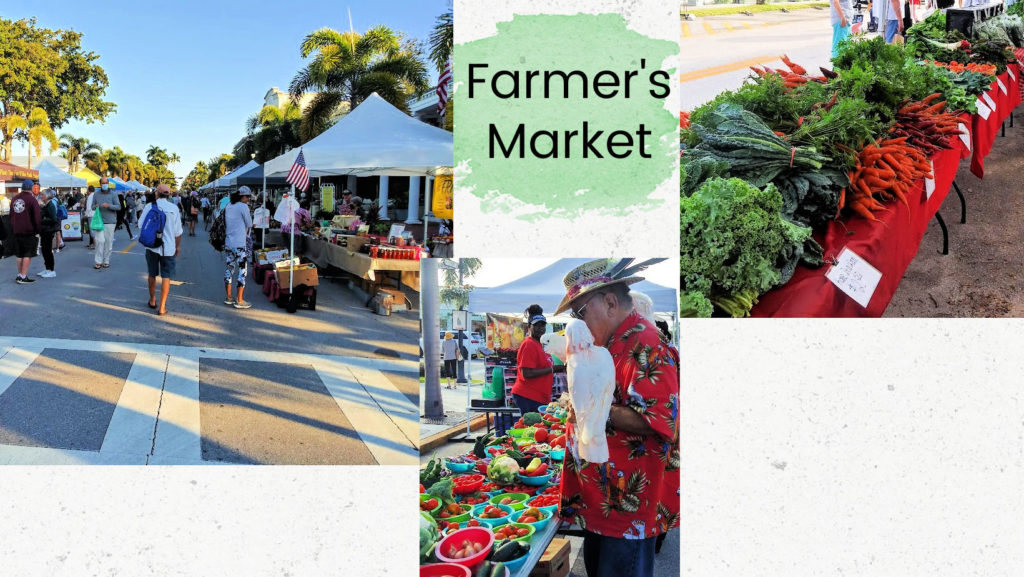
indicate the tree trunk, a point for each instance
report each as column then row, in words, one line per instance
column 433, row 404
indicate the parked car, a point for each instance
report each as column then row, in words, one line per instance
column 471, row 341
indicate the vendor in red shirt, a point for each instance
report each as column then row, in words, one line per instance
column 535, row 372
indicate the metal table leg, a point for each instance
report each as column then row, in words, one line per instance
column 945, row 233
column 963, row 203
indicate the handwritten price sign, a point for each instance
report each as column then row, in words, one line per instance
column 854, row 276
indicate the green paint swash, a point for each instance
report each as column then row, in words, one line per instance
column 569, row 184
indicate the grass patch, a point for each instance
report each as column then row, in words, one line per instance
column 755, row 8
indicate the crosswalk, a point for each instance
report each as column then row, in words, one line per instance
column 691, row 29
column 151, row 415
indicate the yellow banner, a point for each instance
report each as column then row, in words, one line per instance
column 327, row 197
column 442, row 203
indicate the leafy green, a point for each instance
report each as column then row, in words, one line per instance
column 735, row 245
column 442, row 490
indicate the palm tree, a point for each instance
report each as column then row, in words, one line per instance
column 116, row 161
column 37, row 128
column 348, row 67
column 441, row 40
column 218, row 166
column 95, row 161
column 271, row 132
column 12, row 120
column 157, row 156
column 75, row 148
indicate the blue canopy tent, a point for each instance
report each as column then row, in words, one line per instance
column 120, row 185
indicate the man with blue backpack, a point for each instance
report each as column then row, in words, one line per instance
column 161, row 221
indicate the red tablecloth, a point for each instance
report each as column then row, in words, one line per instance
column 889, row 245
column 985, row 130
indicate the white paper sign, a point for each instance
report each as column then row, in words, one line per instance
column 1002, row 86
column 991, row 103
column 929, row 183
column 983, row 110
column 854, row 276
column 261, row 218
column 965, row 135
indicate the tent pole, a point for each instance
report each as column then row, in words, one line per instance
column 291, row 248
column 263, row 237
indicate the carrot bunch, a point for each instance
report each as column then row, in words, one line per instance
column 954, row 66
column 795, row 77
column 884, row 172
column 926, row 125
column 684, row 119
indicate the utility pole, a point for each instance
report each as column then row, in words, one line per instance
column 433, row 404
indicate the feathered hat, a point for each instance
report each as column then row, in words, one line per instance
column 598, row 274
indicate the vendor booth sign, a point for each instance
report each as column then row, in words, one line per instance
column 71, row 227
column 504, row 332
column 327, row 197
column 442, row 203
column 460, row 320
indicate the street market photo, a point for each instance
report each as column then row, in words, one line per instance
column 819, row 185
column 203, row 267
column 549, row 435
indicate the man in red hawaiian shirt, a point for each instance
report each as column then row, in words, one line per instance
column 625, row 504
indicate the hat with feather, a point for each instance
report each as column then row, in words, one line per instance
column 599, row 274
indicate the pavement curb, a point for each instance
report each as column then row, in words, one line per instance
column 438, row 439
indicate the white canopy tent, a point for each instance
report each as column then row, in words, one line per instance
column 545, row 288
column 374, row 139
column 230, row 179
column 52, row 177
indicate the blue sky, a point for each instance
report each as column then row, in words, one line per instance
column 187, row 74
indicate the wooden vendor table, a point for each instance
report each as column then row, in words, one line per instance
column 325, row 254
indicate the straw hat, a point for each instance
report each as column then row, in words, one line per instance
column 599, row 274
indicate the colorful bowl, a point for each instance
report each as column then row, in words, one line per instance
column 539, row 524
column 538, row 481
column 432, row 511
column 550, row 509
column 515, row 564
column 458, row 467
column 445, row 569
column 481, row 535
column 460, row 518
column 494, row 451
column 557, row 454
column 519, row 498
column 479, row 510
column 525, row 538
column 468, row 484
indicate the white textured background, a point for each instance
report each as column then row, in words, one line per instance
column 652, row 231
column 875, row 448
column 206, row 522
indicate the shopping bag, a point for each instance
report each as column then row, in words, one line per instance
column 97, row 220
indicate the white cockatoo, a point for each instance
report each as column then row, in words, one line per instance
column 643, row 305
column 591, row 375
column 554, row 345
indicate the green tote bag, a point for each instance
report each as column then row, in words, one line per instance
column 97, row 220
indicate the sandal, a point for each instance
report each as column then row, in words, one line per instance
column 97, row 266
column 106, row 265
column 151, row 305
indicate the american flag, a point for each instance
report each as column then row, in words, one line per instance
column 442, row 88
column 297, row 175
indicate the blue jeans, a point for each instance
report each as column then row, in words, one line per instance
column 526, row 405
column 159, row 265
column 891, row 28
column 615, row 557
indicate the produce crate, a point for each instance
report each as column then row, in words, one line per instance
column 304, row 274
column 555, row 561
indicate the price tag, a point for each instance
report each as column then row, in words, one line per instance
column 983, row 110
column 991, row 103
column 1002, row 86
column 854, row 276
column 965, row 135
column 929, row 183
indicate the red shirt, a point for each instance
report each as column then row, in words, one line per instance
column 26, row 216
column 636, row 493
column 531, row 355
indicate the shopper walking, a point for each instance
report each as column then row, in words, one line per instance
column 190, row 210
column 237, row 224
column 161, row 261
column 26, row 221
column 106, row 202
column 48, row 229
column 841, row 13
column 87, row 210
column 450, row 355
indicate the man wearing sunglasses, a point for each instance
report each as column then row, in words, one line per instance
column 535, row 372
column 626, row 503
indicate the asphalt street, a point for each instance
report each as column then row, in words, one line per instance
column 90, row 374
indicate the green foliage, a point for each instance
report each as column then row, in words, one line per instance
column 734, row 244
column 442, row 490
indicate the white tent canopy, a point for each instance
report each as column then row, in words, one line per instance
column 136, row 185
column 52, row 177
column 545, row 288
column 230, row 179
column 374, row 139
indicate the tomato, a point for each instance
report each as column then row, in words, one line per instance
column 541, row 435
column 429, row 504
column 473, row 523
column 453, row 526
column 528, row 519
column 522, row 532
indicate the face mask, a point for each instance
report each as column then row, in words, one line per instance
column 104, row 187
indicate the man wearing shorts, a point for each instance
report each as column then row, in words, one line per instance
column 26, row 223
column 161, row 260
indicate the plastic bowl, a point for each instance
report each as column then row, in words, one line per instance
column 517, row 432
column 473, row 483
column 515, row 564
column 525, row 538
column 493, row 451
column 479, row 510
column 445, row 569
column 482, row 535
column 460, row 518
column 481, row 466
column 534, row 481
column 458, row 467
column 550, row 509
column 463, row 499
column 519, row 498
column 556, row 454
column 435, row 509
column 539, row 525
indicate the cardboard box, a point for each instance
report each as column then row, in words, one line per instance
column 555, row 560
column 271, row 255
column 303, row 274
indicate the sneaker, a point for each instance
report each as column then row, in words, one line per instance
column 41, row 273
column 242, row 306
column 229, row 301
column 25, row 280
column 48, row 274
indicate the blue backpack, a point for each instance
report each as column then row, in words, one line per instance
column 62, row 211
column 152, row 231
